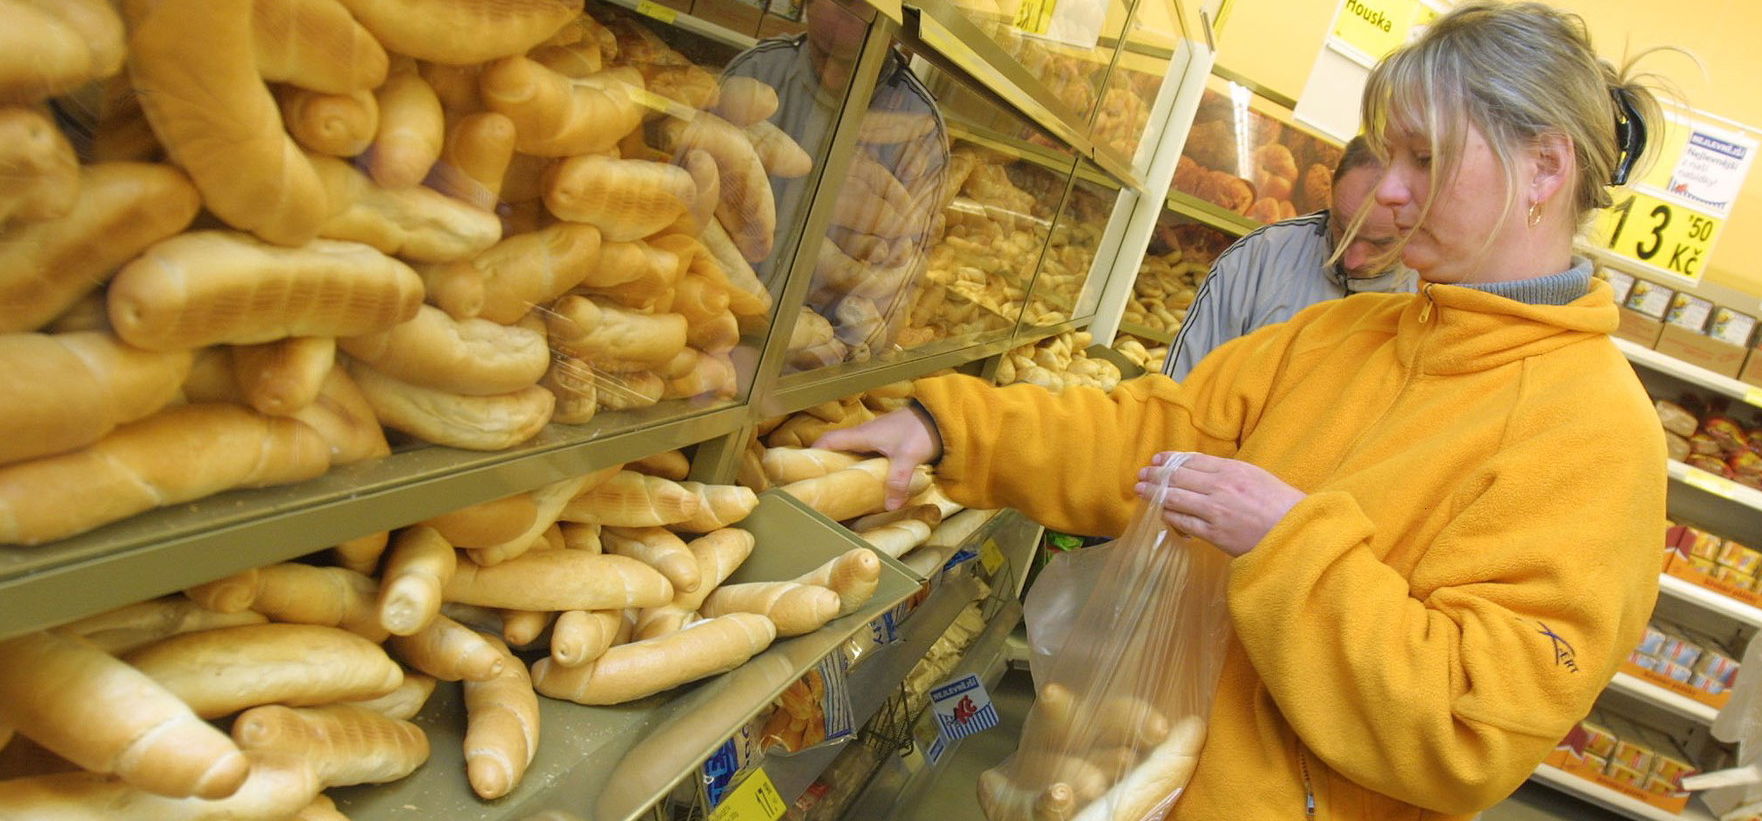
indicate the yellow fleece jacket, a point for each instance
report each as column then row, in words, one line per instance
column 1478, row 550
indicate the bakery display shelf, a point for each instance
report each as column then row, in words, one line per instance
column 687, row 22
column 1210, row 214
column 1135, row 329
column 614, row 763
column 1652, row 694
column 901, row 781
column 1693, row 374
column 1717, row 485
column 169, row 549
column 1709, row 600
column 1614, row 801
column 1046, row 157
column 876, row 679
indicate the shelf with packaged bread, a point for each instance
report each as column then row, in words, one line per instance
column 1682, row 706
column 1692, row 374
column 1211, row 214
column 1613, row 800
column 1748, row 498
column 613, row 763
column 1709, row 600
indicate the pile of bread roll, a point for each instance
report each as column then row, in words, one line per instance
column 1147, row 356
column 297, row 223
column 1058, row 362
column 1164, row 290
column 615, row 578
column 1288, row 172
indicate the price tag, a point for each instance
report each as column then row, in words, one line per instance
column 1035, row 16
column 647, row 8
column 756, row 799
column 648, row 99
column 1753, row 396
column 1665, row 235
column 1716, row 485
column 990, row 557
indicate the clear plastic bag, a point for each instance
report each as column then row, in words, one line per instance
column 1128, row 641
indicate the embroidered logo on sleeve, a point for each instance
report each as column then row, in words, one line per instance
column 1563, row 653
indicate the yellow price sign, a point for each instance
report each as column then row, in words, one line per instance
column 648, row 8
column 1658, row 233
column 1035, row 16
column 1753, row 396
column 1716, row 485
column 990, row 556
column 756, row 799
column 1377, row 27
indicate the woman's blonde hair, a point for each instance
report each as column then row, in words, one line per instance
column 1516, row 72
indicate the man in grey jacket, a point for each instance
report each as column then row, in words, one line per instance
column 1282, row 268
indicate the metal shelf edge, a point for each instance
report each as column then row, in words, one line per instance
column 1709, row 600
column 1611, row 800
column 1658, row 696
column 689, row 23
column 1210, row 214
column 1152, row 334
column 1670, row 365
column 809, row 388
column 1718, row 485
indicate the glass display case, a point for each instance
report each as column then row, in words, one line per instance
column 1245, row 156
column 1061, row 291
column 1175, row 266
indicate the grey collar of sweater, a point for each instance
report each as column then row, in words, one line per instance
column 1553, row 289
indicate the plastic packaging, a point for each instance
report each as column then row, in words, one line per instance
column 1128, row 641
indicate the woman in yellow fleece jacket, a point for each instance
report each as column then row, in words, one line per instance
column 1444, row 507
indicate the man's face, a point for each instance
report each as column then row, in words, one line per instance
column 1368, row 255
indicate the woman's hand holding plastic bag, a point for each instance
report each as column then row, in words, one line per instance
column 1128, row 643
column 1227, row 502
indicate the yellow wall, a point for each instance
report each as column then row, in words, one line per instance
column 1274, row 43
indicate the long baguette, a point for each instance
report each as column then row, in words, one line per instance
column 216, row 119
column 896, row 538
column 404, row 702
column 517, row 274
column 219, row 672
column 487, row 523
column 853, row 575
column 449, row 651
column 39, row 173
column 1161, row 775
column 343, row 743
column 658, row 548
column 795, row 608
column 630, row 499
column 338, row 125
column 412, row 128
column 177, row 455
column 501, row 730
column 632, row 671
column 555, row 580
column 414, row 223
column 315, row 44
column 456, row 420
column 301, row 594
column 548, row 503
column 718, row 506
column 142, row 623
column 122, row 209
column 416, row 571
column 206, row 287
column 282, row 377
column 614, row 338
column 277, row 787
column 465, row 32
column 846, row 494
column 580, row 636
column 785, row 465
column 67, row 391
column 83, row 704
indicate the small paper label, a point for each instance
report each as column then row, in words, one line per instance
column 648, row 99
column 991, row 557
column 756, row 799
column 1753, row 396
column 1715, row 485
column 962, row 707
column 657, row 11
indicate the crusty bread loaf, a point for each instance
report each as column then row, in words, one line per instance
column 67, row 391
column 781, row 155
column 207, row 287
column 745, row 100
column 219, row 672
column 632, row 671
column 277, row 787
column 80, row 702
column 340, row 125
column 475, row 357
column 612, row 338
column 501, row 729
column 404, row 702
column 51, row 47
column 479, row 147
column 412, row 128
column 795, row 608
column 449, row 651
column 282, row 377
column 217, row 120
column 416, row 569
column 557, row 116
column 555, row 580
column 316, row 45
column 626, row 199
column 344, row 744
column 416, row 223
column 39, row 174
column 748, row 208
column 343, row 418
column 122, row 209
column 487, row 523
column 125, row 628
column 462, row 32
column 177, row 455
column 507, row 281
column 472, row 422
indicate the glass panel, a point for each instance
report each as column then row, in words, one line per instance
column 1131, row 88
column 1066, row 46
column 1058, row 293
column 936, row 229
column 1246, row 156
column 1176, row 263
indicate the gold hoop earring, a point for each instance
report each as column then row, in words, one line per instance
column 1535, row 214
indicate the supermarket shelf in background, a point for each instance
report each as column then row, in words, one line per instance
column 686, row 22
column 1717, row 485
column 1710, row 600
column 1694, row 374
column 1614, row 801
column 169, row 549
column 1210, row 214
column 1658, row 696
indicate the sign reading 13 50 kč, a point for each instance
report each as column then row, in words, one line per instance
column 1660, row 233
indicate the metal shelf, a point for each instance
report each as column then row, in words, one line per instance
column 1709, row 600
column 1614, row 801
column 1135, row 329
column 1693, row 374
column 1717, row 485
column 620, row 760
column 172, row 548
column 688, row 23
column 1210, row 214
column 1650, row 693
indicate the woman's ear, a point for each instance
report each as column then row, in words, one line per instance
column 1554, row 165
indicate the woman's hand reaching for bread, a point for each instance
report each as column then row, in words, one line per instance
column 1227, row 502
column 907, row 437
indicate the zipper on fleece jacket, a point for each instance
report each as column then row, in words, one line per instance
column 1425, row 311
column 1308, row 786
